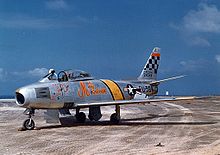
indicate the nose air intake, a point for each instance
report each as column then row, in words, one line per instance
column 20, row 98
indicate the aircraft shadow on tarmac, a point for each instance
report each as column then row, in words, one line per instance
column 127, row 122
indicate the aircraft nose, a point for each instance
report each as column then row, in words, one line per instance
column 22, row 97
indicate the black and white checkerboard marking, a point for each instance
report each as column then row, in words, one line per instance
column 152, row 64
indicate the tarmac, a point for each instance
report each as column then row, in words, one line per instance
column 183, row 127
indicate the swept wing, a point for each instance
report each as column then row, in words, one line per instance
column 135, row 101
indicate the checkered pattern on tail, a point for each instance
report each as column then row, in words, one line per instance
column 149, row 73
column 153, row 64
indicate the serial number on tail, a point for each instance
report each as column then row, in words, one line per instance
column 148, row 74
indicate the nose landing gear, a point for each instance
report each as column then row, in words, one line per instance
column 29, row 124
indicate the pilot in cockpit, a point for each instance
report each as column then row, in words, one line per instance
column 53, row 75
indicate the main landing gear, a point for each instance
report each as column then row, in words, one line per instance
column 80, row 116
column 115, row 117
column 29, row 124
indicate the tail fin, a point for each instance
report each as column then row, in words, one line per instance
column 149, row 73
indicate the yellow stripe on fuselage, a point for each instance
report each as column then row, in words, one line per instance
column 115, row 90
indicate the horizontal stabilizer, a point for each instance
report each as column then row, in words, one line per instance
column 168, row 79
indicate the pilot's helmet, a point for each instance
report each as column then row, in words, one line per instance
column 51, row 71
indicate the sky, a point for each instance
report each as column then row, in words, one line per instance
column 111, row 39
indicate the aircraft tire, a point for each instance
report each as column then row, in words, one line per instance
column 90, row 117
column 28, row 124
column 114, row 118
column 81, row 117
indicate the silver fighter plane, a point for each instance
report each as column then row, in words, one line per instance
column 77, row 89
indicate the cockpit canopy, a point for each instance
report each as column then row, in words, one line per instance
column 67, row 75
column 73, row 75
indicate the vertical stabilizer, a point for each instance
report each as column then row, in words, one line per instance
column 149, row 73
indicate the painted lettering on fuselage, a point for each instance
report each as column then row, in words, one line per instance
column 89, row 89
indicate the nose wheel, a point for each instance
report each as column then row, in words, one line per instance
column 29, row 124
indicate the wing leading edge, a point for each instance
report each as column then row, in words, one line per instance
column 135, row 101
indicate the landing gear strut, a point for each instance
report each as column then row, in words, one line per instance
column 115, row 117
column 80, row 116
column 29, row 124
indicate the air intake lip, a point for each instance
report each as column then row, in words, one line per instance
column 20, row 98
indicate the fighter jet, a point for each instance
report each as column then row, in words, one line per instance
column 71, row 89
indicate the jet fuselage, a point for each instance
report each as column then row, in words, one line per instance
column 55, row 95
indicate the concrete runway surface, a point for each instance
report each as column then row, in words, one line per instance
column 183, row 127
